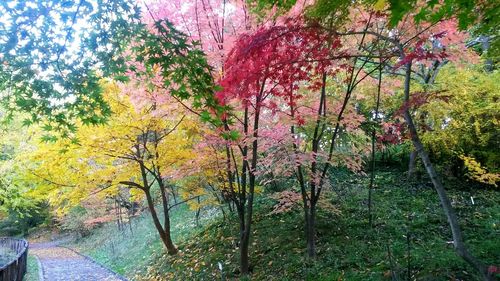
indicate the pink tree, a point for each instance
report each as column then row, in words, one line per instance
column 213, row 24
column 262, row 76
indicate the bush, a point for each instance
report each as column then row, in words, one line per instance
column 19, row 223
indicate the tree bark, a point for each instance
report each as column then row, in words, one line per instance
column 412, row 163
column 311, row 231
column 245, row 264
column 164, row 236
column 166, row 216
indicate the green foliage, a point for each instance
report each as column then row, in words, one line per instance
column 331, row 12
column 14, row 195
column 53, row 54
column 347, row 248
column 19, row 223
column 182, row 66
column 479, row 14
column 259, row 7
column 394, row 154
column 74, row 221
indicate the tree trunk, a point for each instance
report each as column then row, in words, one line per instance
column 245, row 263
column 374, row 135
column 198, row 211
column 130, row 222
column 412, row 163
column 451, row 216
column 171, row 249
column 372, row 180
column 165, row 237
column 166, row 216
column 310, row 216
column 244, row 260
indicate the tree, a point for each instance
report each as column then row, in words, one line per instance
column 407, row 54
column 141, row 145
column 477, row 13
column 263, row 75
column 214, row 25
column 15, row 196
column 53, row 54
column 407, row 60
column 463, row 117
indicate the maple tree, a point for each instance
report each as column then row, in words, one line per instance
column 15, row 196
column 408, row 58
column 409, row 46
column 213, row 25
column 223, row 103
column 261, row 73
column 480, row 14
column 53, row 54
column 134, row 149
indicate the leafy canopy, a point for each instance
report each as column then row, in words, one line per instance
column 53, row 53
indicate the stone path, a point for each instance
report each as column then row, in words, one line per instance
column 63, row 264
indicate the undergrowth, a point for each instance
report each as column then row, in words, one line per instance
column 410, row 238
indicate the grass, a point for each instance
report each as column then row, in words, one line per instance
column 32, row 271
column 410, row 231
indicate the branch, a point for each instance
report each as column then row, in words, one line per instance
column 178, row 203
column 133, row 184
column 53, row 182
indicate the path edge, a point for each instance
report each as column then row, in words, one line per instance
column 94, row 262
column 40, row 269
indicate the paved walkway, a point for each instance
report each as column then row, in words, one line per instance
column 62, row 264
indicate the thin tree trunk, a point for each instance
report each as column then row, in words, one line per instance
column 311, row 231
column 174, row 195
column 372, row 180
column 451, row 216
column 412, row 163
column 166, row 216
column 116, row 214
column 197, row 215
column 245, row 263
column 120, row 216
column 130, row 222
column 166, row 239
column 372, row 174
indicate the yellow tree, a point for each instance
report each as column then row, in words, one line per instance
column 142, row 144
column 14, row 194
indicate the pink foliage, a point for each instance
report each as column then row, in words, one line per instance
column 276, row 59
column 436, row 42
column 214, row 24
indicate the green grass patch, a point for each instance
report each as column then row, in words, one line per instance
column 32, row 270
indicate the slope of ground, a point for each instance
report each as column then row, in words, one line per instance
column 410, row 237
column 131, row 250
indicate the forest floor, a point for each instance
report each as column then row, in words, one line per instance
column 409, row 240
column 59, row 263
